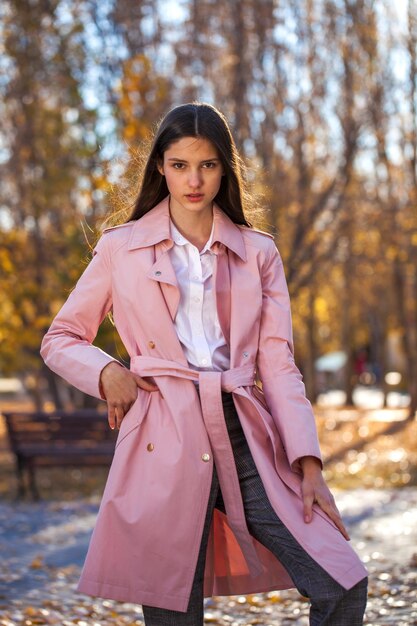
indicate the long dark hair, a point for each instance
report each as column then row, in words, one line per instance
column 193, row 119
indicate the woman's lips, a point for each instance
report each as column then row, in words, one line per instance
column 195, row 198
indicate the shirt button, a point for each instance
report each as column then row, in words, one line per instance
column 151, row 344
column 195, row 277
column 196, row 299
column 205, row 457
column 204, row 361
column 150, row 447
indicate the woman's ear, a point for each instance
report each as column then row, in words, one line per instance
column 160, row 167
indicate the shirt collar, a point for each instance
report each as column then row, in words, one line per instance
column 180, row 240
column 154, row 227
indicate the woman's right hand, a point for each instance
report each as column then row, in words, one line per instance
column 120, row 389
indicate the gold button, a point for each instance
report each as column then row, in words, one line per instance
column 151, row 344
column 205, row 457
column 150, row 447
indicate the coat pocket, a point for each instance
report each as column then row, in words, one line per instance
column 135, row 415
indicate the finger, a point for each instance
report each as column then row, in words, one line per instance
column 127, row 406
column 335, row 516
column 343, row 530
column 111, row 416
column 148, row 385
column 308, row 499
column 339, row 523
column 119, row 416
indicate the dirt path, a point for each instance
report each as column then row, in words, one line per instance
column 43, row 546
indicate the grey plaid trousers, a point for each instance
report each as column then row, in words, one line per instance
column 330, row 603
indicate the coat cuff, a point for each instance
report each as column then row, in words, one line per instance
column 296, row 465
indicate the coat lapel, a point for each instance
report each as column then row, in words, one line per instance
column 221, row 280
column 153, row 229
column 163, row 272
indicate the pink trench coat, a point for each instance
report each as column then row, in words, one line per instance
column 145, row 543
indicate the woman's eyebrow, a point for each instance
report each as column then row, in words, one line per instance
column 183, row 161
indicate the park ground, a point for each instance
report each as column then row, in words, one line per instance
column 370, row 460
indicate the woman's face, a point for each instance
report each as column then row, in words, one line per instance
column 192, row 166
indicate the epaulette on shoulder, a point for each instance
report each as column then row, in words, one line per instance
column 256, row 230
column 105, row 230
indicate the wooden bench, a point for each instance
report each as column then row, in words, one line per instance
column 58, row 438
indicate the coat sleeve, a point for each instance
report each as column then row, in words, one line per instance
column 66, row 347
column 282, row 381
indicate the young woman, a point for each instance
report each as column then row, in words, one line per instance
column 215, row 486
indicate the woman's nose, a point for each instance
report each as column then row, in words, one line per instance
column 194, row 179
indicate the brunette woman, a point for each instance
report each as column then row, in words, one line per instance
column 216, row 484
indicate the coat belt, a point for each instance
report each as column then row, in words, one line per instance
column 211, row 384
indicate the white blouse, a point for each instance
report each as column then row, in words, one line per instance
column 196, row 322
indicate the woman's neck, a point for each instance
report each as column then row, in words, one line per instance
column 194, row 226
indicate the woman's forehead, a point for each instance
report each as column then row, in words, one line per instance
column 192, row 148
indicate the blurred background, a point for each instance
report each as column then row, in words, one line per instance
column 321, row 96
column 322, row 101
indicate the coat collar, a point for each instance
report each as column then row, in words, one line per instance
column 180, row 240
column 154, row 227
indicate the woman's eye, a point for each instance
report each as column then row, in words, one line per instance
column 210, row 165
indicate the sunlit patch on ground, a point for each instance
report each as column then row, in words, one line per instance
column 370, row 463
column 43, row 545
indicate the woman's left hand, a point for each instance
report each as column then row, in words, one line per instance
column 315, row 489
